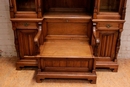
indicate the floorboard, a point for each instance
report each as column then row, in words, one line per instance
column 10, row 77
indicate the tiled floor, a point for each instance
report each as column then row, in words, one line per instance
column 9, row 77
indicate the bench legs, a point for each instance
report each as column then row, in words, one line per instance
column 65, row 75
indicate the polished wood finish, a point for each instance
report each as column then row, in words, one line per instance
column 70, row 75
column 108, row 33
column 28, row 47
column 61, row 36
column 26, row 62
column 26, row 5
column 86, row 4
column 74, row 49
column 119, row 13
column 109, row 5
column 73, row 68
column 104, row 64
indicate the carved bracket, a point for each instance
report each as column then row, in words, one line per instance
column 11, row 9
column 95, row 9
column 124, row 9
column 118, row 43
column 97, row 41
column 39, row 10
column 37, row 37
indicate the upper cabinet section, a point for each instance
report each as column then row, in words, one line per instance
column 37, row 8
column 109, row 9
column 109, row 5
column 26, row 5
column 86, row 5
column 102, row 9
column 25, row 8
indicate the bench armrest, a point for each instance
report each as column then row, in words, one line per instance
column 37, row 37
column 97, row 40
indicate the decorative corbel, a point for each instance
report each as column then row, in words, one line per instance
column 124, row 10
column 11, row 9
column 95, row 9
column 97, row 41
column 39, row 9
column 37, row 37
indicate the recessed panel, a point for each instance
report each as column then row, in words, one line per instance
column 25, row 5
column 109, row 5
column 63, row 28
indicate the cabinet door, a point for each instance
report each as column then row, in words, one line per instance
column 108, row 42
column 25, row 5
column 26, row 43
column 110, row 9
column 109, row 5
column 26, row 8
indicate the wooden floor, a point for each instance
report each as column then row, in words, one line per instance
column 10, row 77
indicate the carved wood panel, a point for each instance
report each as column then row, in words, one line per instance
column 109, row 5
column 108, row 42
column 26, row 43
column 67, row 64
column 86, row 4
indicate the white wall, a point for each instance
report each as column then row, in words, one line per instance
column 6, row 33
column 125, row 39
column 7, row 38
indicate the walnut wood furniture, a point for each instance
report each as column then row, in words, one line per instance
column 67, row 38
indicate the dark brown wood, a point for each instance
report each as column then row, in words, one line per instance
column 11, row 9
column 26, row 37
column 123, row 11
column 104, row 64
column 62, row 36
column 36, row 38
column 39, row 8
column 66, row 75
column 56, row 71
column 108, row 7
column 95, row 12
column 86, row 4
column 26, row 62
column 96, row 41
column 108, row 32
column 26, row 19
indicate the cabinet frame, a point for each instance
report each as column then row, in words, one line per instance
column 107, row 61
column 25, row 14
column 87, row 17
column 106, row 15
